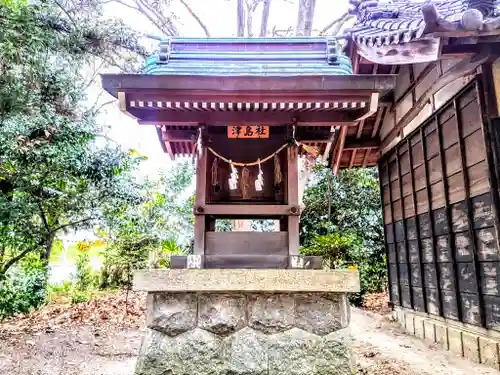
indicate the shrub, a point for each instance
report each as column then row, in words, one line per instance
column 84, row 277
column 22, row 290
column 79, row 296
column 341, row 250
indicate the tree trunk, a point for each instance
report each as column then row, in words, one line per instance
column 241, row 18
column 48, row 248
column 265, row 18
column 305, row 17
column 250, row 10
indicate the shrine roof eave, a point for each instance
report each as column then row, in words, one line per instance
column 209, row 86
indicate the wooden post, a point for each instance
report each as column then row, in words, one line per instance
column 200, row 201
column 293, row 199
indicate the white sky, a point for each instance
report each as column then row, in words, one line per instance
column 220, row 18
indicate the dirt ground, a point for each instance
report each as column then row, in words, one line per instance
column 70, row 343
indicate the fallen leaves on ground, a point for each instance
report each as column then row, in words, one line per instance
column 110, row 311
column 377, row 302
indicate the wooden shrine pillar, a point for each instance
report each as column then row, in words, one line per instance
column 293, row 199
column 200, row 200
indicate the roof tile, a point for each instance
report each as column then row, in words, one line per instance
column 396, row 20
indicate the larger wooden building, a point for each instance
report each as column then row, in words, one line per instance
column 439, row 164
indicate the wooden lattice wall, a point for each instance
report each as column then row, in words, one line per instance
column 440, row 215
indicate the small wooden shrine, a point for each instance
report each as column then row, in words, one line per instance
column 247, row 110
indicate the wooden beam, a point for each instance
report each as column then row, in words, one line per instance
column 353, row 158
column 413, row 84
column 373, row 106
column 353, row 143
column 360, row 128
column 122, row 101
column 197, row 96
column 247, row 210
column 165, row 145
column 179, row 135
column 464, row 67
column 340, row 151
column 152, row 117
column 378, row 121
column 329, row 144
column 365, row 159
column 113, row 83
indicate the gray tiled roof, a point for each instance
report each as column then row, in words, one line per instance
column 385, row 22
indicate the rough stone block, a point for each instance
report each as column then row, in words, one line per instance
column 172, row 313
column 470, row 344
column 293, row 353
column 158, row 355
column 247, row 350
column 419, row 327
column 488, row 351
column 455, row 341
column 319, row 315
column 222, row 313
column 201, row 353
column 409, row 323
column 271, row 313
column 429, row 330
column 246, row 334
column 335, row 354
column 442, row 336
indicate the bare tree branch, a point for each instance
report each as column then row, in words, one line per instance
column 72, row 224
column 305, row 17
column 124, row 3
column 241, row 18
column 282, row 33
column 64, row 10
column 14, row 260
column 195, row 16
column 265, row 18
column 338, row 23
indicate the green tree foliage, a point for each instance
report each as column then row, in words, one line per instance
column 53, row 175
column 23, row 289
column 342, row 221
column 144, row 236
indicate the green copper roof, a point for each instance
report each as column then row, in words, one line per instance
column 248, row 57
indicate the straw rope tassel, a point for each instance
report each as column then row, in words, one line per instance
column 278, row 177
column 245, row 183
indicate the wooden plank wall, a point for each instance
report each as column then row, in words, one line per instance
column 441, row 239
column 412, row 84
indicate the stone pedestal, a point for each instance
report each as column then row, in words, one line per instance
column 253, row 322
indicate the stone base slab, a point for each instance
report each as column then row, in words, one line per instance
column 247, row 280
column 245, row 261
column 476, row 344
column 246, row 333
